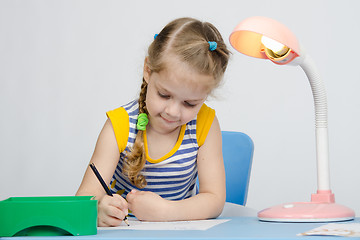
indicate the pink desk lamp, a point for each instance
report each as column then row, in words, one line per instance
column 266, row 38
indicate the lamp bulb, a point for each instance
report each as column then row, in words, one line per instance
column 277, row 48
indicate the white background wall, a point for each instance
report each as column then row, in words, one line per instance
column 63, row 64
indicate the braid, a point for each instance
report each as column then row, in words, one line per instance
column 136, row 158
column 142, row 98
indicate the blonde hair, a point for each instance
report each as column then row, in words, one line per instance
column 188, row 39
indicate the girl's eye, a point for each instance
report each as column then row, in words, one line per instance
column 163, row 95
column 189, row 104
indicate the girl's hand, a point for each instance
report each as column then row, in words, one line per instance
column 147, row 206
column 112, row 210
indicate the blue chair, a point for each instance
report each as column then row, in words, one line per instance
column 238, row 149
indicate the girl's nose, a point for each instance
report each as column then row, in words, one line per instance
column 173, row 109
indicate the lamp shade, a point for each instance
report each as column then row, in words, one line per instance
column 246, row 37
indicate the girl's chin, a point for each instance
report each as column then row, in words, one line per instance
column 166, row 125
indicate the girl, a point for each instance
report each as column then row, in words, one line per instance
column 151, row 150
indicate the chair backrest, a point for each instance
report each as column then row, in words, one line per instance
column 238, row 149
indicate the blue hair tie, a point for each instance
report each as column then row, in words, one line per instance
column 155, row 36
column 212, row 45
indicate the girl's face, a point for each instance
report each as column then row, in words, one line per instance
column 174, row 95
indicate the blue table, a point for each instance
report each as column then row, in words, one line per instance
column 236, row 228
column 242, row 225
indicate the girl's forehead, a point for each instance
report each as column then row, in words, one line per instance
column 185, row 81
column 180, row 71
column 182, row 84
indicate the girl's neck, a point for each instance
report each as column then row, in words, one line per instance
column 159, row 144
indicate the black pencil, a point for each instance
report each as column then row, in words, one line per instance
column 107, row 190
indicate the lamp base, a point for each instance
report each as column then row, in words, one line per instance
column 307, row 212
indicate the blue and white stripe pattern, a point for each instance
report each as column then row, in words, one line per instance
column 173, row 178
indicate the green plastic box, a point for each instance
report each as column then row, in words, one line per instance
column 48, row 216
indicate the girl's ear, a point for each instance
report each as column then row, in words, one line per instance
column 147, row 71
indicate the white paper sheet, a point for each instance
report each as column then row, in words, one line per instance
column 335, row 229
column 178, row 225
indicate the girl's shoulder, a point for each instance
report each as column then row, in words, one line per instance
column 204, row 121
column 120, row 121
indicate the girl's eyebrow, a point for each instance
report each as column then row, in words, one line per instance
column 163, row 91
column 166, row 91
column 194, row 100
column 162, row 88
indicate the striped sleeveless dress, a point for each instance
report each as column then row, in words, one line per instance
column 173, row 176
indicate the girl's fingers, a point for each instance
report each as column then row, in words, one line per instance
column 110, row 222
column 112, row 210
column 119, row 202
column 115, row 212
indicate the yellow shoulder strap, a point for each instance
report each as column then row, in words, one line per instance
column 120, row 121
column 204, row 120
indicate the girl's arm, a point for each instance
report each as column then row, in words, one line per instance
column 106, row 155
column 212, row 193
